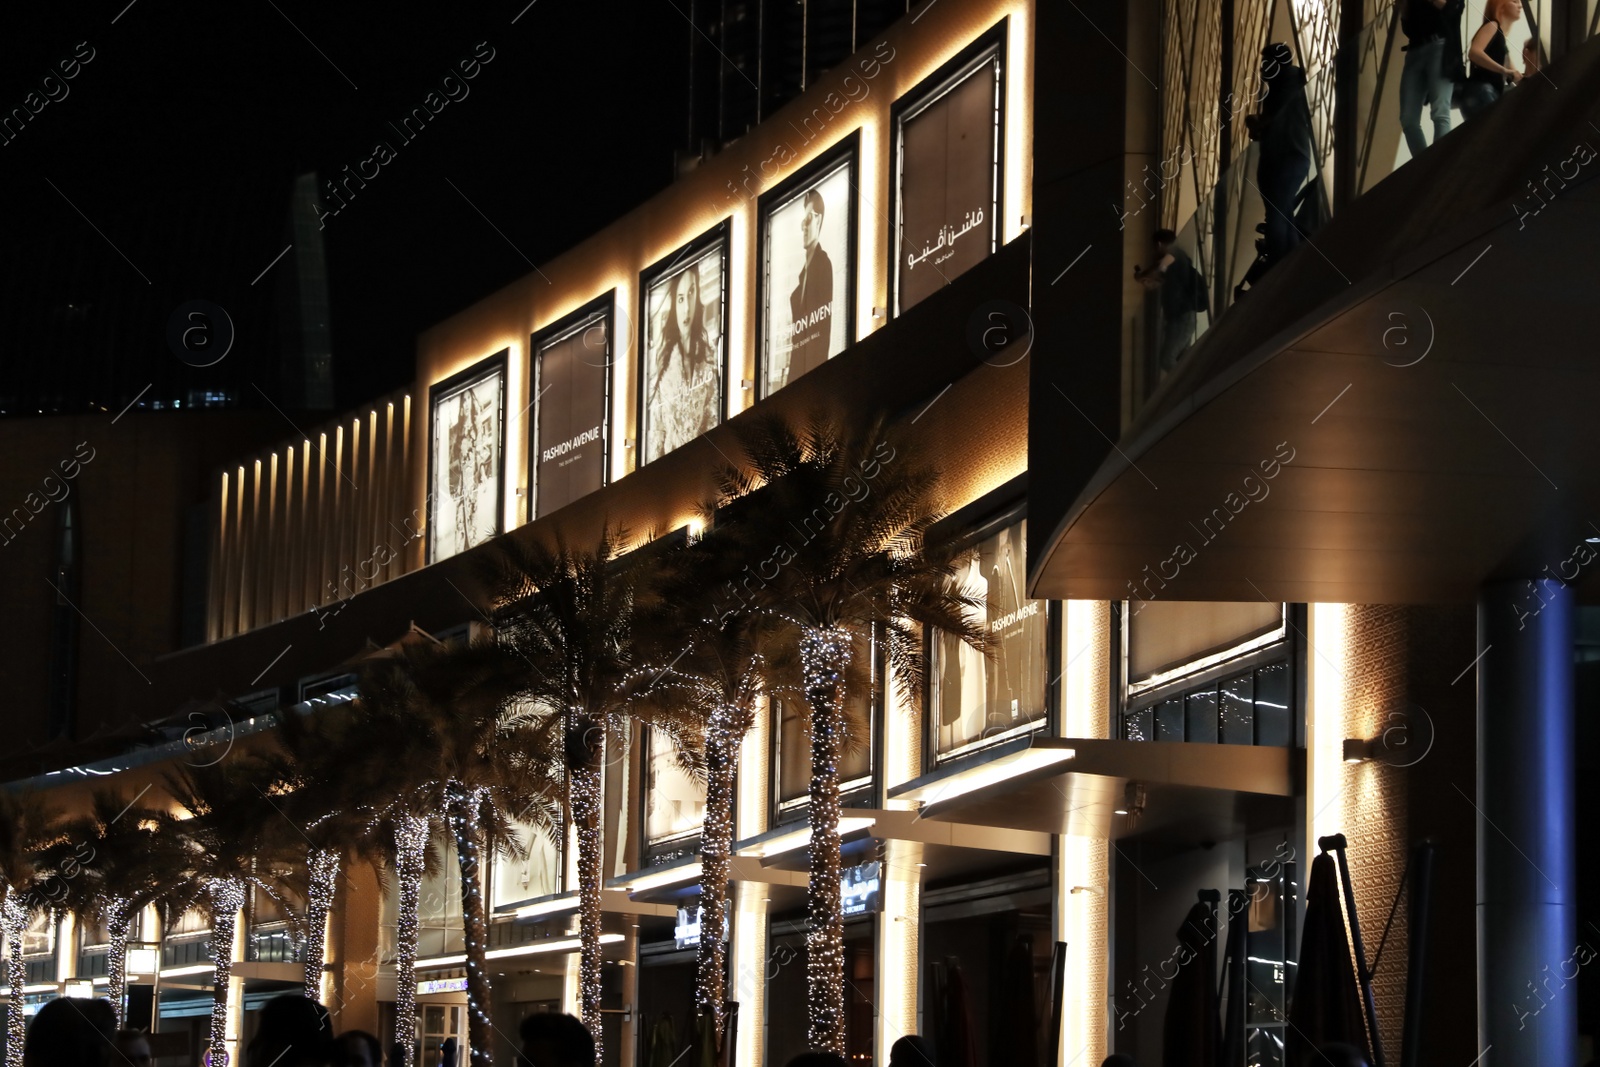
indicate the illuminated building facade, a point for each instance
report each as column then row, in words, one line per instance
column 1225, row 626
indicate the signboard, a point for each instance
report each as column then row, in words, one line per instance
column 861, row 888
column 571, row 376
column 442, row 985
column 686, row 932
column 684, row 337
column 808, row 270
column 947, row 193
column 466, row 458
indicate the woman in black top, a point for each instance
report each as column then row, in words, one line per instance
column 1489, row 58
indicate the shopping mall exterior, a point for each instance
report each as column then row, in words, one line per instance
column 1323, row 577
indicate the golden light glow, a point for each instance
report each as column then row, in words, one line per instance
column 899, row 961
column 1081, row 915
column 677, row 874
column 1328, row 666
column 536, row 948
column 748, row 960
column 553, row 906
column 799, row 838
column 990, row 773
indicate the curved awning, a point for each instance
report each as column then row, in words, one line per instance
column 1403, row 410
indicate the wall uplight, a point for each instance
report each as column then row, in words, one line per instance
column 1358, row 750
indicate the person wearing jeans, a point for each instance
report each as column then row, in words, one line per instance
column 1427, row 77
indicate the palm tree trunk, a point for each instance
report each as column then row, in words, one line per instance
column 586, row 817
column 411, row 844
column 716, row 842
column 469, row 860
column 323, row 868
column 824, row 655
column 15, row 917
column 119, row 914
column 227, row 897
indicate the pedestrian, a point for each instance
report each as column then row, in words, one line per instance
column 133, row 1047
column 294, row 1031
column 1283, row 130
column 1183, row 295
column 357, row 1048
column 1431, row 67
column 69, row 1032
column 913, row 1050
column 551, row 1039
column 1490, row 58
column 447, row 1053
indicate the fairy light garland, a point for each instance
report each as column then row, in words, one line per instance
column 322, row 867
column 464, row 806
column 227, row 898
column 723, row 734
column 15, row 917
column 586, row 819
column 411, row 844
column 824, row 658
column 118, row 912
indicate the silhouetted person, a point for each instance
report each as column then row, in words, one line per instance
column 551, row 1039
column 357, row 1048
column 133, row 1048
column 294, row 1032
column 913, row 1050
column 1283, row 129
column 69, row 1032
column 1490, row 58
column 1183, row 295
column 447, row 1053
column 1432, row 65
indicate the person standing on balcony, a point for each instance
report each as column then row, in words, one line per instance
column 1490, row 58
column 1432, row 65
column 1183, row 294
column 1284, row 130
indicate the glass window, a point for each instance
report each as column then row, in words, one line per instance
column 794, row 747
column 1139, row 725
column 675, row 800
column 1169, row 720
column 1238, row 711
column 979, row 700
column 1273, row 724
column 1202, row 716
column 536, row 874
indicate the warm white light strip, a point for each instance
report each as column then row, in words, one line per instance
column 564, row 944
column 656, row 878
column 1207, row 662
column 180, row 972
column 554, row 906
column 37, row 987
column 987, row 774
column 800, row 838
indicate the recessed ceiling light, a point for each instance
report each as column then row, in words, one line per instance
column 1120, row 811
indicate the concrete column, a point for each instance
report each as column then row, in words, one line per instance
column 1527, row 939
column 899, row 947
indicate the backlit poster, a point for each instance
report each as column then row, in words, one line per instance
column 572, row 368
column 948, row 169
column 808, row 272
column 466, row 459
column 978, row 700
column 681, row 396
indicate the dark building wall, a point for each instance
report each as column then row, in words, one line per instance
column 130, row 483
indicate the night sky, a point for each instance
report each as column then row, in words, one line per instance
column 177, row 142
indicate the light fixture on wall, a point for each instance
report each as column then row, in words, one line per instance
column 746, row 384
column 877, row 313
column 78, row 988
column 1359, row 750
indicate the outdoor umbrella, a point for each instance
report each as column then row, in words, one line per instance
column 1189, row 1037
column 1326, row 1006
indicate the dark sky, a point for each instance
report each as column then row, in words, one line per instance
column 178, row 140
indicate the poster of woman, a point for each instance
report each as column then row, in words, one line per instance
column 465, row 460
column 681, row 395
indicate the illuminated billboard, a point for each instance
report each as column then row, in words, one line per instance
column 683, row 362
column 466, row 458
column 571, row 404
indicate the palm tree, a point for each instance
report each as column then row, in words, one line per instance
column 111, row 864
column 446, row 713
column 709, row 668
column 568, row 614
column 234, row 839
column 27, row 824
column 832, row 526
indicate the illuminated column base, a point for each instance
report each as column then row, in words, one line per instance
column 1081, row 886
column 235, row 1024
column 748, row 966
column 899, row 964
